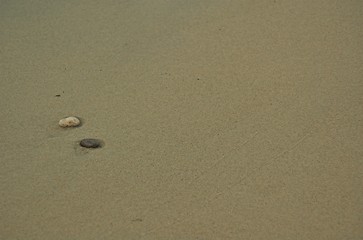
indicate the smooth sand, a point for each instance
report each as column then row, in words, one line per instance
column 221, row 119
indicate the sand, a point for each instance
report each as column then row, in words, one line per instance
column 220, row 119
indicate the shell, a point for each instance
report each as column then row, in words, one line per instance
column 69, row 122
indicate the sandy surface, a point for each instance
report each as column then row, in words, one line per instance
column 221, row 119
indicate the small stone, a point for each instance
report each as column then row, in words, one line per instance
column 69, row 122
column 91, row 143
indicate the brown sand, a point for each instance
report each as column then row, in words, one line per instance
column 221, row 119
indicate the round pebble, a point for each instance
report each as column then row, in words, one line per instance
column 91, row 143
column 69, row 122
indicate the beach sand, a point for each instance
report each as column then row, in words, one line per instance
column 220, row 119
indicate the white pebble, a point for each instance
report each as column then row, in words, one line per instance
column 69, row 122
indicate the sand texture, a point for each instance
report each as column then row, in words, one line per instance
column 221, row 119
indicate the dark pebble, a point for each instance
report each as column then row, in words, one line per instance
column 91, row 143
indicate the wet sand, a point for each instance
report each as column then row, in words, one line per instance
column 220, row 119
